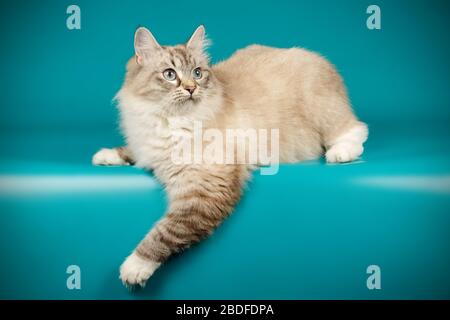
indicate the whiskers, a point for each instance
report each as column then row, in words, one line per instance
column 180, row 97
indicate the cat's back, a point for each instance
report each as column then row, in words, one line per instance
column 270, row 87
column 258, row 60
column 257, row 53
column 275, row 72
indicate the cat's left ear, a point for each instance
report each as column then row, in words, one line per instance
column 198, row 41
column 145, row 45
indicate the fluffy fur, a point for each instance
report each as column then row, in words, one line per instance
column 293, row 90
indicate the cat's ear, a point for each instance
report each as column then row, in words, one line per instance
column 198, row 41
column 144, row 45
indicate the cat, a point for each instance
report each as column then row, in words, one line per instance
column 168, row 88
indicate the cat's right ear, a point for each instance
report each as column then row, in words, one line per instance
column 145, row 45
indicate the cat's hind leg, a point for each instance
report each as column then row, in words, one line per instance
column 113, row 157
column 348, row 145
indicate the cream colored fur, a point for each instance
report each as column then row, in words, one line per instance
column 293, row 90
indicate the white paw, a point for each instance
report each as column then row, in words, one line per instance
column 344, row 152
column 136, row 271
column 108, row 157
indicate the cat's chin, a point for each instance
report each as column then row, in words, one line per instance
column 189, row 101
column 185, row 107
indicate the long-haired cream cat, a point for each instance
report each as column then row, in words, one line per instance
column 169, row 88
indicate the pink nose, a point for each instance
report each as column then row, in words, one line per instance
column 190, row 89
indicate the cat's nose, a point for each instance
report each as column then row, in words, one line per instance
column 189, row 87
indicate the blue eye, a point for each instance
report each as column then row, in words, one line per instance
column 170, row 74
column 197, row 73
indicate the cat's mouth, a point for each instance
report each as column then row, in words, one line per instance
column 188, row 100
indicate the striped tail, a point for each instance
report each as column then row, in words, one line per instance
column 202, row 199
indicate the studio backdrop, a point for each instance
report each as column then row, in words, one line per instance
column 377, row 228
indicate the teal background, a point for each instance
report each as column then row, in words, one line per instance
column 308, row 232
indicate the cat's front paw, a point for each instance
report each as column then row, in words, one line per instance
column 136, row 271
column 108, row 157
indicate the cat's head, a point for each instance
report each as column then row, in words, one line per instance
column 174, row 80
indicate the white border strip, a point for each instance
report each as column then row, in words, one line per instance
column 436, row 184
column 44, row 184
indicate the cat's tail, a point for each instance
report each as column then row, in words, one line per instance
column 201, row 198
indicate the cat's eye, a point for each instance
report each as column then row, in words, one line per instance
column 197, row 73
column 170, row 74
